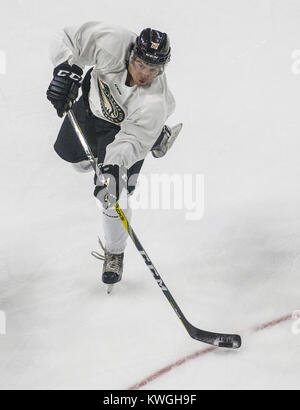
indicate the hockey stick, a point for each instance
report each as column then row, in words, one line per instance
column 215, row 339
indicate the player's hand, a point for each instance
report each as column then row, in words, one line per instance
column 63, row 89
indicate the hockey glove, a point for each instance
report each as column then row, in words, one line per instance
column 63, row 89
column 109, row 188
column 160, row 147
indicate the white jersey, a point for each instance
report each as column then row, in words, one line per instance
column 140, row 111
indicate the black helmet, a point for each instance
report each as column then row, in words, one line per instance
column 153, row 47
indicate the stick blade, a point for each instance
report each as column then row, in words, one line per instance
column 229, row 341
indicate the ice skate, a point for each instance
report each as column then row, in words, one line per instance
column 112, row 267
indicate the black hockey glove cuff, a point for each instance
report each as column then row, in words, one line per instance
column 63, row 89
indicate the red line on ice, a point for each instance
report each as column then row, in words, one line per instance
column 201, row 353
column 272, row 324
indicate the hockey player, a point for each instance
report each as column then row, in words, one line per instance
column 124, row 105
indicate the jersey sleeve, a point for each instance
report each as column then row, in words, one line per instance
column 137, row 135
column 91, row 44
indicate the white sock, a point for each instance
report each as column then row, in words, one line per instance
column 115, row 234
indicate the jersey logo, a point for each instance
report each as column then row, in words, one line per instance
column 110, row 108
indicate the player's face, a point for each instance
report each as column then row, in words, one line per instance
column 142, row 74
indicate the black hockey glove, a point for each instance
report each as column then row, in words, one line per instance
column 63, row 89
column 160, row 147
column 110, row 187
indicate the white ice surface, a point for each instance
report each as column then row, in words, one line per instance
column 236, row 268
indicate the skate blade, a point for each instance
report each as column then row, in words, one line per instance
column 109, row 289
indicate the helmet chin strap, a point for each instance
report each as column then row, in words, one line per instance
column 128, row 79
